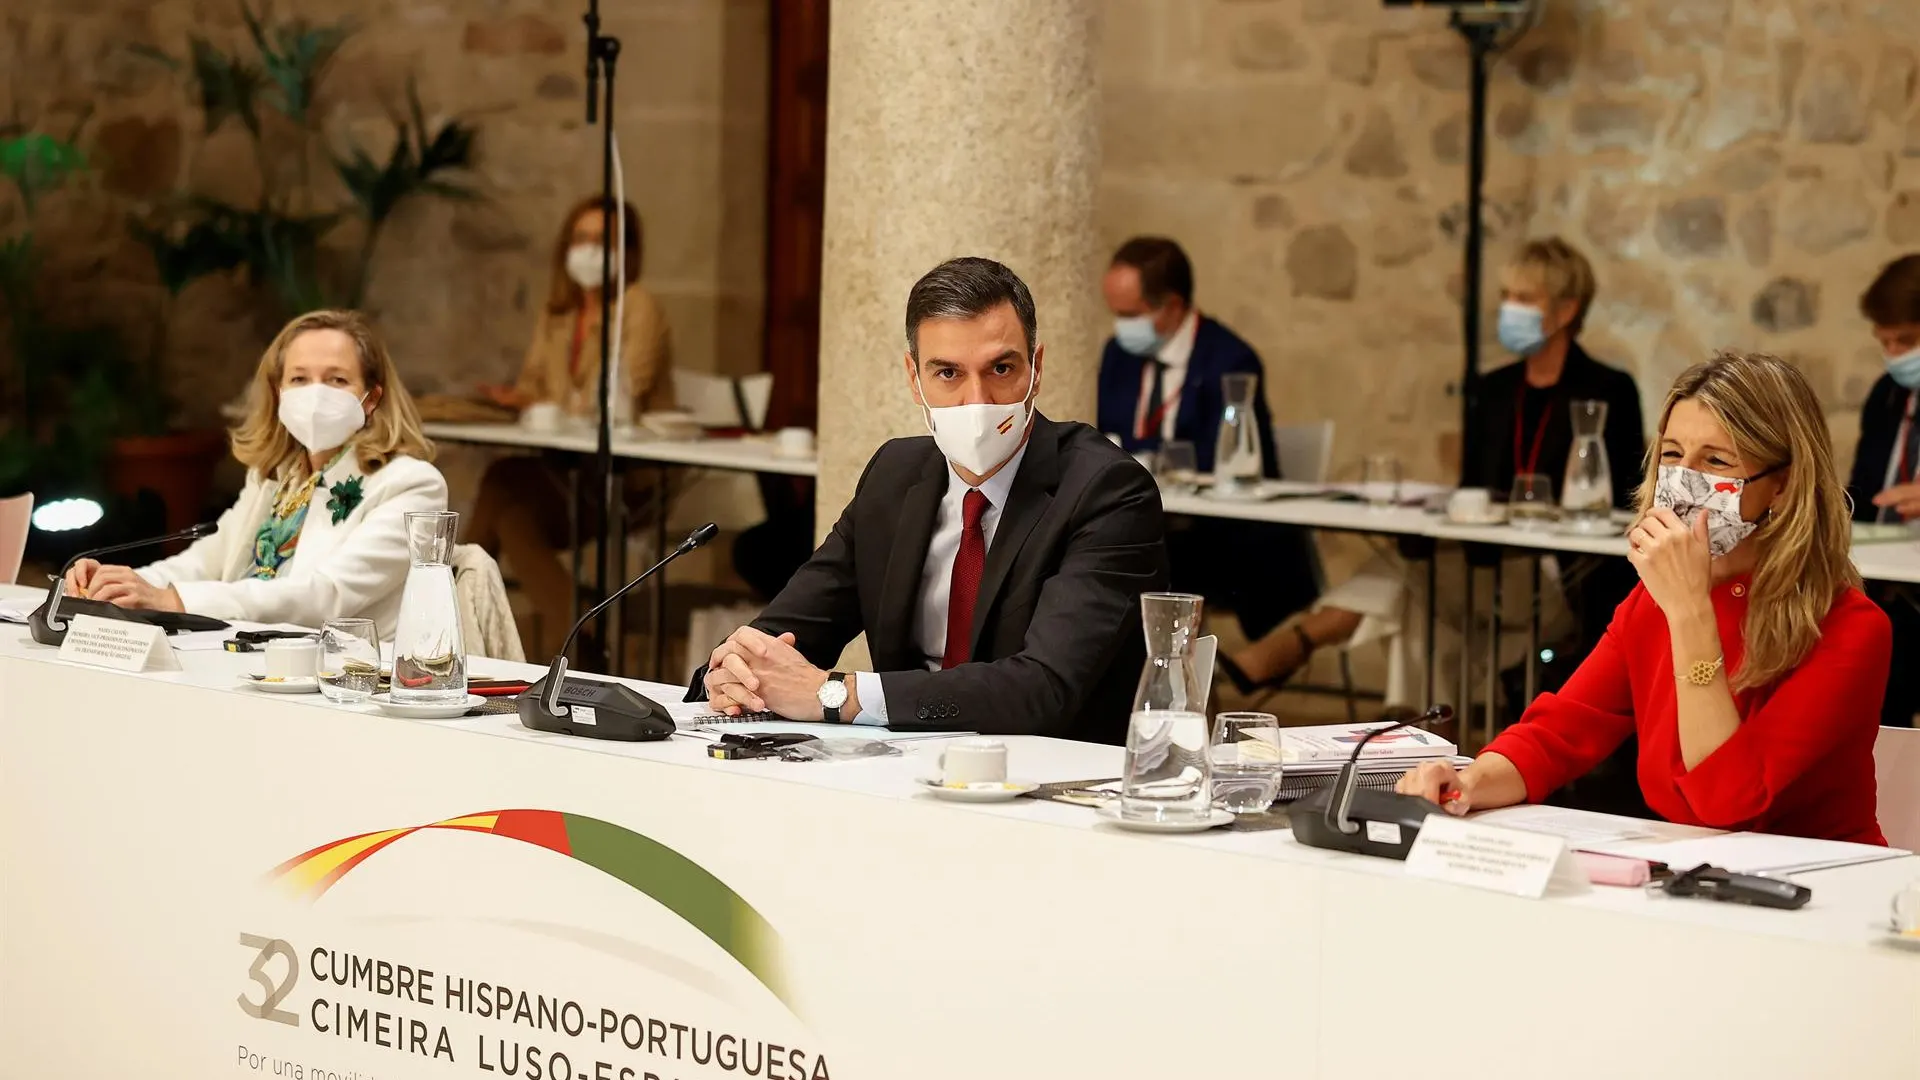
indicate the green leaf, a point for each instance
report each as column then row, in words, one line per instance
column 38, row 163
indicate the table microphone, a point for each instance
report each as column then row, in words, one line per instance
column 1365, row 821
column 50, row 620
column 594, row 708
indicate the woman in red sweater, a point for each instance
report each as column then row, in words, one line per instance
column 1747, row 661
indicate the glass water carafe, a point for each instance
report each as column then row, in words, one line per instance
column 429, row 657
column 1167, row 774
column 1236, row 452
column 1586, row 496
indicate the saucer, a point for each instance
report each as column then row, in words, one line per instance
column 1215, row 818
column 293, row 684
column 1257, row 493
column 978, row 792
column 1910, row 941
column 1612, row 528
column 1493, row 516
column 391, row 707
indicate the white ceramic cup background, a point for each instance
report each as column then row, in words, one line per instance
column 1469, row 503
column 974, row 761
column 293, row 658
column 1906, row 909
column 541, row 416
column 796, row 442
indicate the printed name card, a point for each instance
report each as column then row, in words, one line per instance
column 1463, row 852
column 119, row 645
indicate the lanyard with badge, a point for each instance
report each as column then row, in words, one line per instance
column 1524, row 463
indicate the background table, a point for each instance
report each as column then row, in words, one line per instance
column 754, row 454
column 142, row 817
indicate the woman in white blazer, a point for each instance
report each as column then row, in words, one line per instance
column 335, row 460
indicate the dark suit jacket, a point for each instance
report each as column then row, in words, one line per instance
column 1879, row 429
column 1057, row 640
column 1583, row 379
column 1217, row 351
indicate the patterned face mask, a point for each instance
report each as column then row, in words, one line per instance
column 1690, row 493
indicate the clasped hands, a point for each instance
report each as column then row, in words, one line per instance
column 119, row 585
column 753, row 671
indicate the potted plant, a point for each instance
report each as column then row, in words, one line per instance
column 293, row 248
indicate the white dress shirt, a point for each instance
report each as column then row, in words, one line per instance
column 1174, row 353
column 936, row 578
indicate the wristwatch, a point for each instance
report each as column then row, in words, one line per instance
column 832, row 695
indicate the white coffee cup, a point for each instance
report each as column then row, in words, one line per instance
column 974, row 761
column 793, row 442
column 1469, row 503
column 1906, row 910
column 541, row 416
column 293, row 658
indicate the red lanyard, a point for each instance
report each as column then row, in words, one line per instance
column 1150, row 424
column 1903, row 470
column 1519, row 431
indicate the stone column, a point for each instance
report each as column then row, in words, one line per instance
column 953, row 129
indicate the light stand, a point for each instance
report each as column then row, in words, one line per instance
column 604, row 51
column 1489, row 27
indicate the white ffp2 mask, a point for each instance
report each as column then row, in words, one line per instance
column 583, row 265
column 979, row 438
column 321, row 417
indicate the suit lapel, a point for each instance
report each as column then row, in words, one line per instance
column 1027, row 503
column 318, row 533
column 900, row 589
column 239, row 550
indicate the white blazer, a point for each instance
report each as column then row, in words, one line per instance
column 356, row 569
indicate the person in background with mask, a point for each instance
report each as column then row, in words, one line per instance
column 1747, row 660
column 522, row 512
column 996, row 567
column 1161, row 381
column 335, row 460
column 1527, row 427
column 1885, row 486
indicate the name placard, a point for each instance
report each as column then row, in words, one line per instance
column 118, row 645
column 1519, row 863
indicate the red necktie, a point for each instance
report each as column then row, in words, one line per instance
column 968, row 564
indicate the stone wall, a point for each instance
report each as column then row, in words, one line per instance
column 1738, row 170
column 456, row 286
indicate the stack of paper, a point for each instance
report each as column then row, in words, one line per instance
column 1749, row 853
column 1308, row 750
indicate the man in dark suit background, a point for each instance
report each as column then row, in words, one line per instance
column 1885, row 486
column 996, row 568
column 1161, row 381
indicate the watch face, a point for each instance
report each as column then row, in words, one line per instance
column 833, row 693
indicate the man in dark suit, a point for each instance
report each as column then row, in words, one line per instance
column 1885, row 485
column 1161, row 380
column 996, row 568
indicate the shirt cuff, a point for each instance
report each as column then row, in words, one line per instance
column 873, row 699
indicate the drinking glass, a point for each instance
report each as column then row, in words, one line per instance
column 1380, row 480
column 1531, row 505
column 1246, row 761
column 1177, row 468
column 349, row 660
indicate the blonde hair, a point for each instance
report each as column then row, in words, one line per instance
column 1803, row 556
column 1564, row 273
column 263, row 444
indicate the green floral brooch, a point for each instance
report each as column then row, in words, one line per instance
column 345, row 496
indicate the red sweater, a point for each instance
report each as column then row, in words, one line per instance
column 1801, row 763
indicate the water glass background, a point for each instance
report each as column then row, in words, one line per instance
column 349, row 660
column 1246, row 761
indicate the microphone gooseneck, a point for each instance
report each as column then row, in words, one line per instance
column 58, row 590
column 556, row 672
column 1348, row 779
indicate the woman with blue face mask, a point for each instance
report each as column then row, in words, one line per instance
column 1748, row 662
column 335, row 460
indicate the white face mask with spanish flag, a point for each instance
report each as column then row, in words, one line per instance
column 980, row 438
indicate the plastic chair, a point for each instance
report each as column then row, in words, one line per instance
column 1896, row 771
column 16, row 518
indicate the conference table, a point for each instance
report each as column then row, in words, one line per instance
column 206, row 880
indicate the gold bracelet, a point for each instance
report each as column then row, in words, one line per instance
column 1702, row 672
